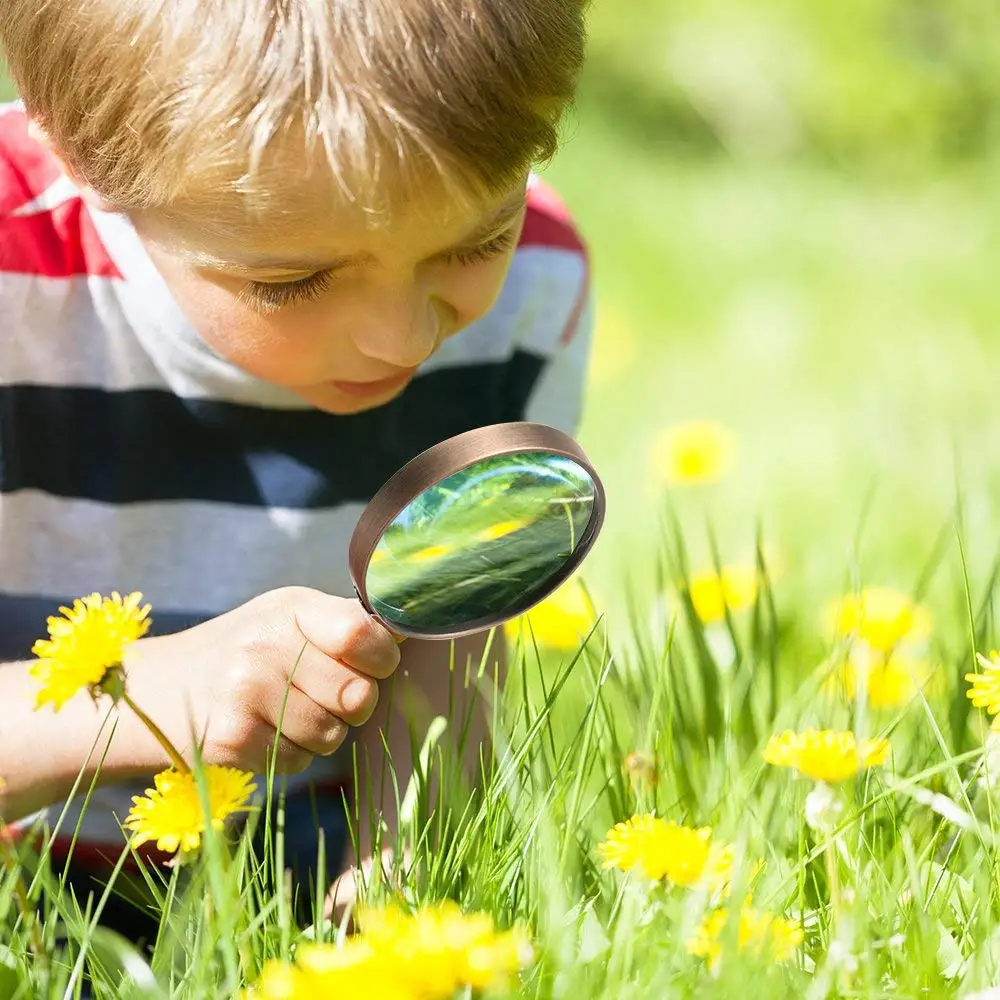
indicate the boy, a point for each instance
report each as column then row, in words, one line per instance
column 254, row 256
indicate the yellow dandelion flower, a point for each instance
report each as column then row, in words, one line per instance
column 279, row 981
column 662, row 849
column 85, row 643
column 323, row 970
column 354, row 968
column 712, row 593
column 440, row 949
column 984, row 690
column 502, row 529
column 891, row 682
column 881, row 617
column 760, row 933
column 431, row 553
column 825, row 755
column 562, row 621
column 694, row 453
column 171, row 814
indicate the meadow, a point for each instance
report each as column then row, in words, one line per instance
column 791, row 218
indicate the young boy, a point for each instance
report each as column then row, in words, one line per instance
column 255, row 255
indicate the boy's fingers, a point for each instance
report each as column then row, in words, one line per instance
column 304, row 722
column 342, row 629
column 337, row 688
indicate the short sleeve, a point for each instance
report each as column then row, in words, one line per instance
column 556, row 319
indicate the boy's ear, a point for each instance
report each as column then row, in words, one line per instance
column 87, row 193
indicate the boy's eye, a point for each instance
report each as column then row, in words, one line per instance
column 485, row 251
column 267, row 296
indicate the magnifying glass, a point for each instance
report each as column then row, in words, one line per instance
column 476, row 530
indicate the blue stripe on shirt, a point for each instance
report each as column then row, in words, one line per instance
column 23, row 620
column 150, row 445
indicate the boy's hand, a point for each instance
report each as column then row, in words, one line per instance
column 226, row 680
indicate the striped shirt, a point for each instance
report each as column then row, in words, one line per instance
column 133, row 457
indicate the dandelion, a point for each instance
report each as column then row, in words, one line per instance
column 734, row 588
column 431, row 553
column 664, row 850
column 881, row 617
column 83, row 645
column 760, row 933
column 825, row 755
column 890, row 682
column 562, row 621
column 429, row 955
column 352, row 969
column 440, row 949
column 171, row 814
column 694, row 453
column 501, row 529
column 985, row 687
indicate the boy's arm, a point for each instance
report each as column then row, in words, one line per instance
column 42, row 752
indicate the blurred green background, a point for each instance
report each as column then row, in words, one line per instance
column 791, row 211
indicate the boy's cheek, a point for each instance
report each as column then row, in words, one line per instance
column 284, row 349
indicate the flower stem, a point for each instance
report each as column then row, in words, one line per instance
column 175, row 758
column 833, row 880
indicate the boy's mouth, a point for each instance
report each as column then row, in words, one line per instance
column 376, row 388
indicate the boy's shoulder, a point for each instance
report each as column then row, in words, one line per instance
column 543, row 301
column 548, row 223
column 44, row 229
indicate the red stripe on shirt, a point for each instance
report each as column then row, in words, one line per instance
column 62, row 243
column 548, row 223
column 27, row 168
column 94, row 856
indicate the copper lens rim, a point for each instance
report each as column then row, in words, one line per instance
column 444, row 460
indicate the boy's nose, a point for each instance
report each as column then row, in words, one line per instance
column 403, row 332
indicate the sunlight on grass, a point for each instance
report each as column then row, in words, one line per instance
column 753, row 755
column 661, row 821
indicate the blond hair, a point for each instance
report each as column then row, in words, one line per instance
column 156, row 103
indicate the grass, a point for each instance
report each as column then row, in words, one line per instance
column 842, row 324
column 898, row 898
column 841, row 321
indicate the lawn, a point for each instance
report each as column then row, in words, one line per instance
column 832, row 307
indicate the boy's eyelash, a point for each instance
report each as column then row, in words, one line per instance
column 492, row 248
column 268, row 296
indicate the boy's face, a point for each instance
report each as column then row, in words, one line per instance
column 337, row 311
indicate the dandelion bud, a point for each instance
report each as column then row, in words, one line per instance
column 824, row 807
column 641, row 768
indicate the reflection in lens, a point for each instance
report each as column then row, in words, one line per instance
column 481, row 541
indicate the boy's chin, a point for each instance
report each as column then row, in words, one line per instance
column 330, row 399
